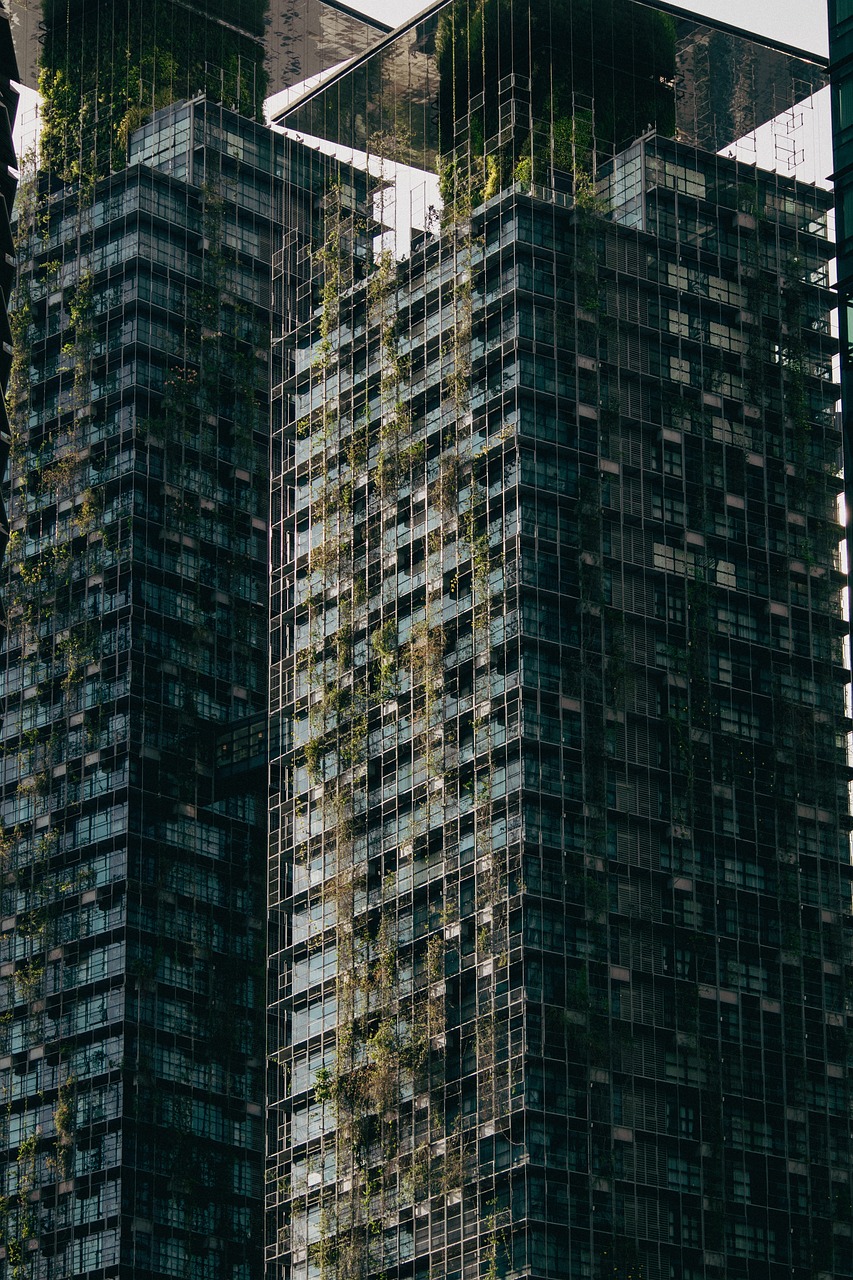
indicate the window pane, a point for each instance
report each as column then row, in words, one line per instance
column 844, row 102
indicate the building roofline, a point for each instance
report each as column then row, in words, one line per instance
column 676, row 11
column 358, row 16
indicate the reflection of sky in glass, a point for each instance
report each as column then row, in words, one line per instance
column 25, row 134
column 407, row 201
column 801, row 23
column 796, row 143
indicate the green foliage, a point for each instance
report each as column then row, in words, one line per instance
column 28, row 979
column 613, row 78
column 107, row 69
column 390, row 1035
column 384, row 642
column 64, row 1120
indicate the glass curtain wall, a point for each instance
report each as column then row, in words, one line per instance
column 560, row 853
column 9, row 98
column 134, row 677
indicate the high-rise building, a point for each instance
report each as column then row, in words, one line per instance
column 841, row 51
column 254, row 44
column 9, row 73
column 135, row 669
column 560, row 862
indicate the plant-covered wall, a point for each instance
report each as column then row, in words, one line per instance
column 559, row 847
column 107, row 67
column 133, row 696
column 612, row 82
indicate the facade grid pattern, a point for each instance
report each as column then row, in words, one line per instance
column 559, row 873
column 134, row 700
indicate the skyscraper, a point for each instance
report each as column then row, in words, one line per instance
column 560, row 830
column 8, row 185
column 257, row 43
column 841, row 51
column 134, row 675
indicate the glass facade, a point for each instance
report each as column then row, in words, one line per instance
column 105, row 67
column 134, row 691
column 559, row 870
column 283, row 41
column 8, row 185
column 841, row 50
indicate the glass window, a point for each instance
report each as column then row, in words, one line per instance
column 844, row 103
column 847, row 335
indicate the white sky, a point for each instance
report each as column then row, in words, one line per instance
column 797, row 22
